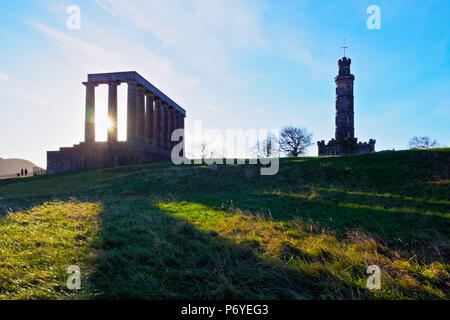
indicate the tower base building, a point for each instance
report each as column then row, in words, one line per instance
column 349, row 146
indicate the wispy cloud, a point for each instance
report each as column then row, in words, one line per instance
column 105, row 56
column 32, row 97
column 211, row 36
column 4, row 77
column 127, row 11
column 234, row 23
column 72, row 44
column 202, row 34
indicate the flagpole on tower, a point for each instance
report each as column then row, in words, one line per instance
column 344, row 47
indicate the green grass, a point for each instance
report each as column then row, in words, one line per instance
column 157, row 231
column 37, row 246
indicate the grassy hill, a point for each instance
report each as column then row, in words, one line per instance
column 10, row 167
column 159, row 231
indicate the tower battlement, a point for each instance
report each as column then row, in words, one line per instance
column 344, row 66
column 344, row 61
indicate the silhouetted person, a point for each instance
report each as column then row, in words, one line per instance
column 26, row 171
column 21, row 172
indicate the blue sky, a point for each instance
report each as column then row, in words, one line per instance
column 231, row 64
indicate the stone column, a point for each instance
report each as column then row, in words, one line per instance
column 164, row 124
column 178, row 120
column 89, row 120
column 170, row 117
column 112, row 111
column 174, row 124
column 181, row 126
column 131, row 111
column 157, row 123
column 149, row 115
column 140, row 114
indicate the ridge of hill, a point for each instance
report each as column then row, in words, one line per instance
column 9, row 167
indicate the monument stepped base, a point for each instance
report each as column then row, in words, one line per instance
column 88, row 156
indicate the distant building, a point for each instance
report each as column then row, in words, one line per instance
column 344, row 141
column 38, row 171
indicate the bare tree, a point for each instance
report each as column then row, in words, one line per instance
column 422, row 143
column 205, row 150
column 294, row 141
column 267, row 148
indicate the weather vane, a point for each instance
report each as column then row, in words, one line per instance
column 344, row 47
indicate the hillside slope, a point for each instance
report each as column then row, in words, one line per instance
column 158, row 231
column 12, row 166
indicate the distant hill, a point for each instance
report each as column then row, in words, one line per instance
column 12, row 166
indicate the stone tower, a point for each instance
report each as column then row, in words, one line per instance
column 344, row 141
column 344, row 101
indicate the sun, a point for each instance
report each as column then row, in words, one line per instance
column 109, row 124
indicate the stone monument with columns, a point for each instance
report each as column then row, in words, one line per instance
column 151, row 119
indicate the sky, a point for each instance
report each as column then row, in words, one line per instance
column 230, row 63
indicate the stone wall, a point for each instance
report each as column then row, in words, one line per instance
column 88, row 156
column 366, row 147
column 334, row 147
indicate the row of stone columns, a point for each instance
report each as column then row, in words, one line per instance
column 149, row 119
